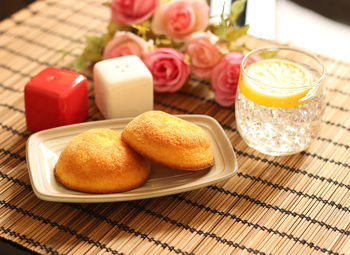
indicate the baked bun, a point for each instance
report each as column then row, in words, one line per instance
column 98, row 161
column 169, row 140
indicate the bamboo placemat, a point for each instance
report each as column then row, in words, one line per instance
column 274, row 205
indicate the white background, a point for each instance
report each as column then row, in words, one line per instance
column 288, row 22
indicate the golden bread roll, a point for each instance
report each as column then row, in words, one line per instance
column 169, row 140
column 98, row 161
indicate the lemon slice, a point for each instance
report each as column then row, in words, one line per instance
column 276, row 83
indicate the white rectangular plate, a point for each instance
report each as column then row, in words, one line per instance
column 43, row 149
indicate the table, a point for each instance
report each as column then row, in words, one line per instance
column 296, row 204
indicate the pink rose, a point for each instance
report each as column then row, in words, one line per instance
column 124, row 44
column 179, row 19
column 252, row 59
column 168, row 69
column 131, row 12
column 225, row 78
column 203, row 53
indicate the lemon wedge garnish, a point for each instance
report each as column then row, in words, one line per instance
column 276, row 83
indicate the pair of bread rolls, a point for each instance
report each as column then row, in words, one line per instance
column 106, row 161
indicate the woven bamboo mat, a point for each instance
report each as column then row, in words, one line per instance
column 274, row 205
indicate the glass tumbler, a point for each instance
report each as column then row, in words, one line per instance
column 280, row 99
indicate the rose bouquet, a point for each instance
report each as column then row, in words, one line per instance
column 174, row 39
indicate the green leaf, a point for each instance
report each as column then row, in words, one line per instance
column 220, row 30
column 163, row 42
column 233, row 33
column 268, row 54
column 243, row 30
column 227, row 29
column 187, row 59
column 112, row 28
column 92, row 56
column 234, row 47
column 80, row 63
column 105, row 39
column 94, row 48
column 93, row 42
column 237, row 8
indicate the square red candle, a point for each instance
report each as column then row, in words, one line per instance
column 55, row 97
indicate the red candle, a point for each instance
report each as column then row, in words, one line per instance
column 55, row 97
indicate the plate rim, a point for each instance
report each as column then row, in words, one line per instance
column 123, row 196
